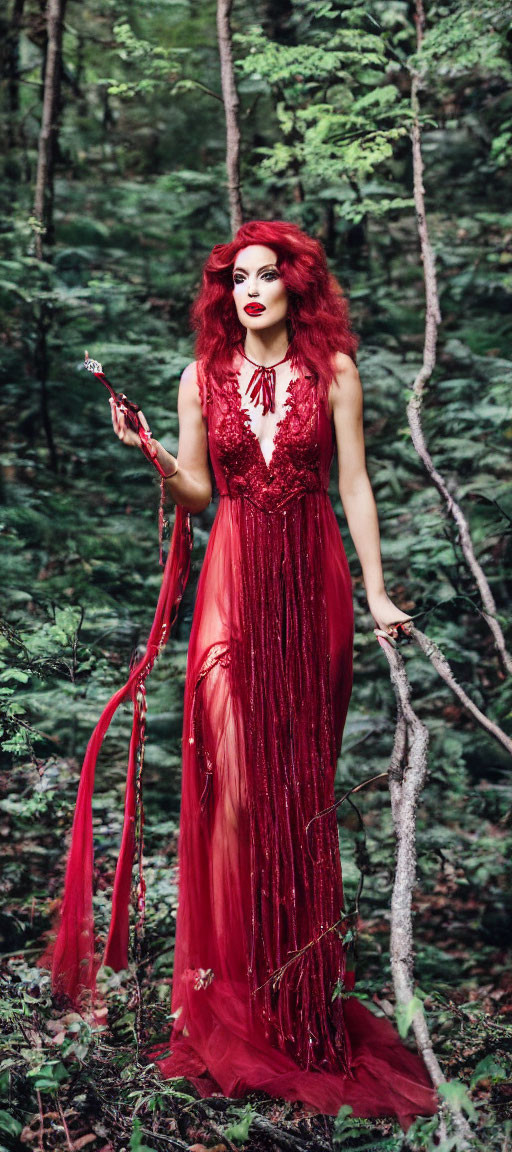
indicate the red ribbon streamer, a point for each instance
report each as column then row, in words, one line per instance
column 71, row 955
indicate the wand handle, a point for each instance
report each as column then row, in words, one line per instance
column 130, row 412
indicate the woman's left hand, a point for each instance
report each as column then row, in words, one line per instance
column 387, row 616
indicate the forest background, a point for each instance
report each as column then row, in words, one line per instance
column 334, row 98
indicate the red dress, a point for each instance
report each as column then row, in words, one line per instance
column 259, row 943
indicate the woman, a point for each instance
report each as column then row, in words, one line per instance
column 261, row 995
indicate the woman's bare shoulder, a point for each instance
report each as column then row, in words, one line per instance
column 344, row 366
column 194, row 390
column 189, row 376
column 346, row 389
column 189, row 384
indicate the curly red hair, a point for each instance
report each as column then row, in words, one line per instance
column 318, row 314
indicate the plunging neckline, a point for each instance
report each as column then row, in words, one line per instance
column 246, row 417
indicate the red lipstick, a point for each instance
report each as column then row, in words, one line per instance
column 254, row 309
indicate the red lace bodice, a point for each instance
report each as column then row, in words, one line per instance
column 303, row 445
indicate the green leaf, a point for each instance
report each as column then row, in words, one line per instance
column 344, row 1124
column 489, row 1069
column 405, row 1013
column 239, row 1132
column 9, row 1124
column 456, row 1095
column 136, row 1144
column 49, row 1076
column 16, row 674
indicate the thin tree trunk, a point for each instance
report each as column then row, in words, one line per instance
column 407, row 776
column 432, row 322
column 43, row 201
column 231, row 104
column 43, row 198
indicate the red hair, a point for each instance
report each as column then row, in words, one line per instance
column 318, row 314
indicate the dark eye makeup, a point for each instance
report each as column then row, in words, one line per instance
column 270, row 274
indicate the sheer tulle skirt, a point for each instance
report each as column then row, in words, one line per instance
column 260, row 930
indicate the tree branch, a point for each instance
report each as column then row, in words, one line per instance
column 432, row 322
column 407, row 776
column 441, row 665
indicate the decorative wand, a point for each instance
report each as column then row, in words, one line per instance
column 130, row 412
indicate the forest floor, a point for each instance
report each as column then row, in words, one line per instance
column 70, row 1085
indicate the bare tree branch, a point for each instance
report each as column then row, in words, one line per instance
column 407, row 776
column 441, row 665
column 432, row 322
column 231, row 104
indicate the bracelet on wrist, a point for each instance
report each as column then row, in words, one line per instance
column 151, row 453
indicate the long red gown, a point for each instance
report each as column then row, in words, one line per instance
column 269, row 678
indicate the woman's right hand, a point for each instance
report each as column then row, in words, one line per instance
column 121, row 427
column 163, row 461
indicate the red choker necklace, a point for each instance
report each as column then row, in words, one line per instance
column 262, row 385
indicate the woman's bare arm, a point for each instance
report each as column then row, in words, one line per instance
column 191, row 486
column 346, row 397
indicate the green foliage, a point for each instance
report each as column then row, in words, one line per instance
column 338, row 116
column 9, row 1125
column 239, row 1131
column 489, row 1069
column 405, row 1013
column 465, row 38
column 136, row 1142
column 345, row 1126
column 456, row 1094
